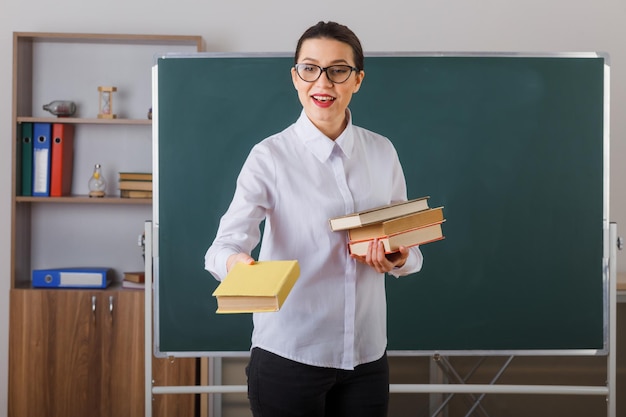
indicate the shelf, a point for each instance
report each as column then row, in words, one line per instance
column 102, row 38
column 83, row 200
column 114, row 286
column 78, row 120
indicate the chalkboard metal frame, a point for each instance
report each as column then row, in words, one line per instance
column 600, row 335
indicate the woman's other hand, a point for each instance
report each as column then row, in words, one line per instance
column 381, row 262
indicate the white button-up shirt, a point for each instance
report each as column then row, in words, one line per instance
column 296, row 180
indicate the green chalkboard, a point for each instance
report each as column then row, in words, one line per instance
column 512, row 146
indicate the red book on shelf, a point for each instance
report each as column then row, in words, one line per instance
column 62, row 159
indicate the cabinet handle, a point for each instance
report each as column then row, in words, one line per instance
column 111, row 306
column 93, row 307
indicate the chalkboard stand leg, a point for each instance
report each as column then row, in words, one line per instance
column 215, row 378
column 448, row 370
column 615, row 244
column 493, row 381
column 148, row 381
column 473, row 401
column 436, row 403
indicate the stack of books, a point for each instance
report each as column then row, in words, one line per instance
column 408, row 223
column 135, row 184
column 134, row 280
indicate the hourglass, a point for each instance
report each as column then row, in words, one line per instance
column 106, row 103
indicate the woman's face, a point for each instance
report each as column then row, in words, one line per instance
column 325, row 102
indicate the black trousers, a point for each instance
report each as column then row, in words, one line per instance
column 279, row 387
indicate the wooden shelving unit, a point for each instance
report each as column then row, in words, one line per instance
column 40, row 66
column 81, row 351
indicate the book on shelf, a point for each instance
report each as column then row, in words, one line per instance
column 135, row 276
column 412, row 237
column 25, row 159
column 41, row 159
column 73, row 277
column 135, row 185
column 260, row 287
column 378, row 214
column 135, row 194
column 134, row 279
column 397, row 224
column 61, row 159
column 135, row 176
column 134, row 285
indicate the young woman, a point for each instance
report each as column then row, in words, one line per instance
column 324, row 352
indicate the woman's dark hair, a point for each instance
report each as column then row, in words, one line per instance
column 336, row 31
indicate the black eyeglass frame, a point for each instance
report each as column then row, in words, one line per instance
column 325, row 70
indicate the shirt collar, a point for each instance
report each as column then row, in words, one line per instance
column 319, row 144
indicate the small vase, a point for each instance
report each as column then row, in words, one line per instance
column 97, row 183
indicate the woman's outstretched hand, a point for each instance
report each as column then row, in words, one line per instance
column 238, row 257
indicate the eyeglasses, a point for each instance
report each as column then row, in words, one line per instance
column 336, row 73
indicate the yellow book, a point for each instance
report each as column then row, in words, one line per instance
column 260, row 287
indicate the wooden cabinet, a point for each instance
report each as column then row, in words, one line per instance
column 63, row 353
column 78, row 352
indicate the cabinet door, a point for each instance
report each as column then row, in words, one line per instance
column 123, row 358
column 127, row 365
column 172, row 372
column 54, row 366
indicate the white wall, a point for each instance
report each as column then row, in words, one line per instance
column 275, row 25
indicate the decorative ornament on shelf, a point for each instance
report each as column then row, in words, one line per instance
column 106, row 102
column 97, row 183
column 61, row 108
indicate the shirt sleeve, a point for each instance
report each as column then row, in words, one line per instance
column 238, row 229
column 413, row 263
